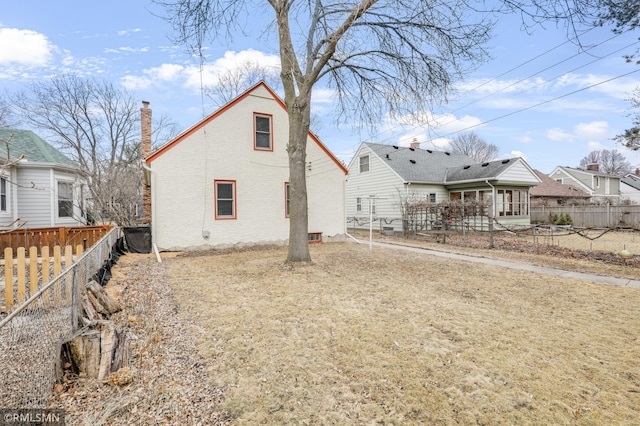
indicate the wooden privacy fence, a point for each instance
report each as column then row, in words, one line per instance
column 23, row 276
column 86, row 236
column 597, row 216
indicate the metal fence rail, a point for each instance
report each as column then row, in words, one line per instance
column 31, row 335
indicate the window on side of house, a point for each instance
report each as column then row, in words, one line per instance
column 512, row 202
column 3, row 194
column 263, row 139
column 225, row 196
column 359, row 205
column 597, row 181
column 432, row 198
column 364, row 163
column 287, row 199
column 65, row 199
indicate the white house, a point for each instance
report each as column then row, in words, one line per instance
column 391, row 174
column 224, row 181
column 39, row 186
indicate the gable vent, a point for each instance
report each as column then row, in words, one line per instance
column 505, row 161
column 412, row 161
column 485, row 164
column 466, row 167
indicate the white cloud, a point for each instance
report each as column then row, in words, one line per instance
column 127, row 49
column 24, row 47
column 193, row 77
column 559, row 135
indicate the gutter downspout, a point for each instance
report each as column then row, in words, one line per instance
column 153, row 213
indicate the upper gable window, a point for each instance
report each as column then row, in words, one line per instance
column 263, row 139
column 364, row 163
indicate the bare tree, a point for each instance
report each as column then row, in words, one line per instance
column 609, row 161
column 631, row 137
column 472, row 145
column 97, row 125
column 392, row 56
column 234, row 81
column 7, row 117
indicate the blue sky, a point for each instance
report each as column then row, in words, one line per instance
column 508, row 101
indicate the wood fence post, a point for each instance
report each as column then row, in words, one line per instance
column 21, row 273
column 8, row 277
column 57, row 268
column 45, row 264
column 33, row 270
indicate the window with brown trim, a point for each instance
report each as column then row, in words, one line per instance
column 263, row 136
column 287, row 199
column 225, row 197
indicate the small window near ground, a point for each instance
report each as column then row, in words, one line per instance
column 65, row 199
column 287, row 199
column 225, row 196
column 364, row 163
column 263, row 134
column 315, row 237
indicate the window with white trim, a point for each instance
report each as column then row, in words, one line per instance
column 364, row 163
column 3, row 194
column 359, row 205
column 65, row 199
column 432, row 197
column 225, row 196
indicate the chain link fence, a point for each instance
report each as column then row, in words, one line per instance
column 31, row 335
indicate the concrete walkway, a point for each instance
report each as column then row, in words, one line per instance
column 513, row 265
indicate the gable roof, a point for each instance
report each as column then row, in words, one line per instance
column 552, row 188
column 418, row 165
column 483, row 171
column 32, row 146
column 184, row 135
column 632, row 180
column 573, row 170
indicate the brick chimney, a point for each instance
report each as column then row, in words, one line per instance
column 594, row 167
column 414, row 143
column 145, row 151
column 637, row 172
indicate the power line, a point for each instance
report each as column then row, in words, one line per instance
column 541, row 103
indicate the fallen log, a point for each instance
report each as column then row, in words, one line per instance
column 101, row 300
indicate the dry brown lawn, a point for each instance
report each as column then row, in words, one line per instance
column 390, row 337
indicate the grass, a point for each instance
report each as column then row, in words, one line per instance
column 390, row 337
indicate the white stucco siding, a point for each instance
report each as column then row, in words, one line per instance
column 325, row 191
column 223, row 149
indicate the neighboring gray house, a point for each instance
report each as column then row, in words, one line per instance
column 44, row 188
column 630, row 188
column 393, row 174
column 600, row 186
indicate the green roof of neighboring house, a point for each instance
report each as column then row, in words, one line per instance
column 34, row 148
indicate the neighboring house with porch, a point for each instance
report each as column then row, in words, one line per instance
column 224, row 181
column 388, row 175
column 630, row 188
column 602, row 187
column 39, row 186
column 553, row 193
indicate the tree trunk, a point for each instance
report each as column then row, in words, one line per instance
column 299, row 117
